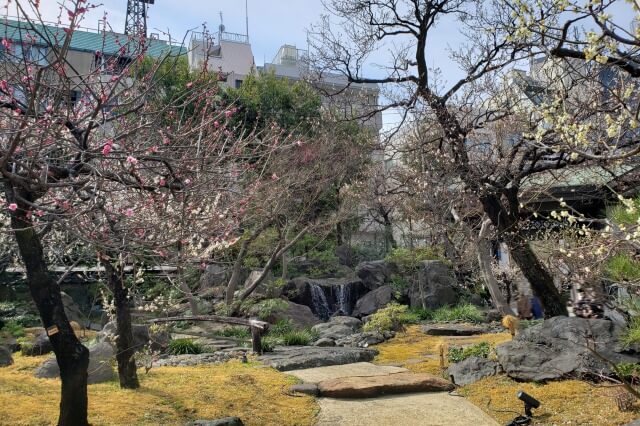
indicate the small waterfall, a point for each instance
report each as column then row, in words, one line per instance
column 320, row 303
column 344, row 299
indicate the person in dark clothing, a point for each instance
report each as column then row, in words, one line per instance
column 536, row 308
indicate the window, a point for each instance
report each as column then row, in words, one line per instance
column 238, row 84
column 110, row 64
column 24, row 53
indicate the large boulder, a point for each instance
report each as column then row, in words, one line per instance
column 472, row 369
column 214, row 276
column 101, row 358
column 72, row 310
column 376, row 273
column 300, row 315
column 5, row 357
column 39, row 346
column 142, row 335
column 337, row 328
column 564, row 347
column 300, row 357
column 372, row 301
column 435, row 286
column 374, row 386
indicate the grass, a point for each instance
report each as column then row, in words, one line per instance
column 464, row 312
column 621, row 267
column 168, row 395
column 184, row 347
column 239, row 332
column 569, row 402
column 481, row 350
column 391, row 317
column 297, row 338
column 632, row 335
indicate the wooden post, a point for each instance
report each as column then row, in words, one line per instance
column 258, row 328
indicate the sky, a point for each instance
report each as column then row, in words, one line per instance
column 272, row 23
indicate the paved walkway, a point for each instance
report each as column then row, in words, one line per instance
column 422, row 409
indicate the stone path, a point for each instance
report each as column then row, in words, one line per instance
column 416, row 409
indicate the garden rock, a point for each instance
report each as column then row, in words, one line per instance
column 141, row 336
column 227, row 421
column 376, row 273
column 372, row 301
column 40, row 346
column 472, row 369
column 305, row 388
column 189, row 360
column 435, row 286
column 213, row 276
column 453, row 330
column 101, row 357
column 300, row 315
column 5, row 356
column 72, row 310
column 365, row 339
column 373, row 386
column 564, row 347
column 299, row 357
column 325, row 342
column 337, row 327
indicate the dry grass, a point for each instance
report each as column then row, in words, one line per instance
column 168, row 395
column 418, row 352
column 569, row 402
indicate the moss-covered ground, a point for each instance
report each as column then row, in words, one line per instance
column 168, row 396
column 567, row 402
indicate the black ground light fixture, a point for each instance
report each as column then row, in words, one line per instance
column 529, row 403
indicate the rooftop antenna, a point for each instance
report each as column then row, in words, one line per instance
column 246, row 15
column 221, row 27
column 136, row 21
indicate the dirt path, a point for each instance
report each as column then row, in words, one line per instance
column 417, row 409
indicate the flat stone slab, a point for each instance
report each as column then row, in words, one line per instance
column 424, row 409
column 302, row 357
column 453, row 330
column 319, row 374
column 390, row 384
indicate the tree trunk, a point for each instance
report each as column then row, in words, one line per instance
column 71, row 355
column 540, row 279
column 484, row 260
column 125, row 355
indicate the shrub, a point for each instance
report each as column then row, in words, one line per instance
column 464, row 312
column 622, row 267
column 408, row 260
column 239, row 332
column 625, row 214
column 481, row 350
column 389, row 318
column 297, row 338
column 281, row 327
column 632, row 335
column 14, row 328
column 184, row 347
column 269, row 343
column 628, row 371
column 266, row 308
column 422, row 314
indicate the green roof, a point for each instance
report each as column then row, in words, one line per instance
column 107, row 42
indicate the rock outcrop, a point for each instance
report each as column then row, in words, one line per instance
column 435, row 286
column 564, row 347
column 372, row 301
column 472, row 369
column 299, row 357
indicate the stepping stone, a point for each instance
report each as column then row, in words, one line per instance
column 452, row 330
column 320, row 374
column 373, row 386
column 422, row 409
column 302, row 357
